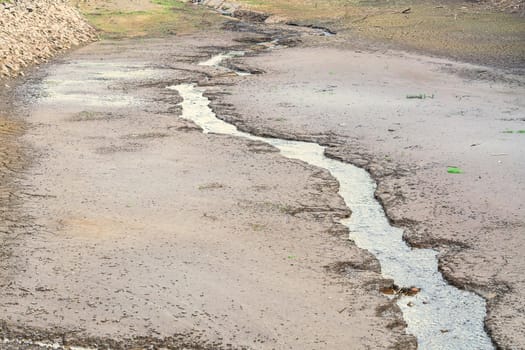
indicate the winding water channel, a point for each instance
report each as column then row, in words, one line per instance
column 440, row 315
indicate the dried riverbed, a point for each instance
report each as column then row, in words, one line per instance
column 355, row 103
column 145, row 232
column 440, row 316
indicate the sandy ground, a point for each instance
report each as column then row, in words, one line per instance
column 356, row 102
column 134, row 228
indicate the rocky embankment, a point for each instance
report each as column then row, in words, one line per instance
column 31, row 31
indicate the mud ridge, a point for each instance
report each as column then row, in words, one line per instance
column 63, row 339
column 313, row 26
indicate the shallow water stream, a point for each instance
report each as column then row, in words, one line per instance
column 440, row 316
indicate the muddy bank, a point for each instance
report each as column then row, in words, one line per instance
column 34, row 31
column 356, row 103
column 13, row 160
column 146, row 231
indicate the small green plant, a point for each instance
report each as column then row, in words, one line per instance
column 211, row 186
column 454, row 170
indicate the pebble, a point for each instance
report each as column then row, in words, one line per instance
column 32, row 31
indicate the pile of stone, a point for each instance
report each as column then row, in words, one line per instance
column 32, row 31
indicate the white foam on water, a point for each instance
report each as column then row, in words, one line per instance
column 216, row 60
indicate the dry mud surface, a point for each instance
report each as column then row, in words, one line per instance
column 356, row 103
column 133, row 228
column 129, row 227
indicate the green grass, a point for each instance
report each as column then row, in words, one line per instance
column 464, row 30
column 456, row 29
column 171, row 3
column 153, row 18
